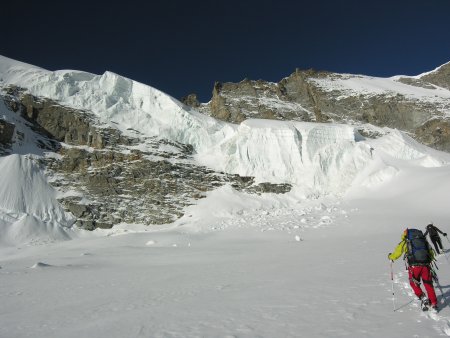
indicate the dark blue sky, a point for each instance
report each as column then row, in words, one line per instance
column 182, row 47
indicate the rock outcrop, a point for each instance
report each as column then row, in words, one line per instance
column 191, row 100
column 6, row 134
column 236, row 102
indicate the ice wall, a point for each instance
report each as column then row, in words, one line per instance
column 319, row 158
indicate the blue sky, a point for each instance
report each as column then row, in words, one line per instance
column 182, row 47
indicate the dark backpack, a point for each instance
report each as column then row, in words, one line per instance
column 418, row 248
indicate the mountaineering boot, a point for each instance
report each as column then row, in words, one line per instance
column 424, row 303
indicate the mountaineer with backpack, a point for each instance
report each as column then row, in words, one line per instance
column 434, row 236
column 419, row 257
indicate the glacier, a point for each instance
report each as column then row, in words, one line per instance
column 317, row 159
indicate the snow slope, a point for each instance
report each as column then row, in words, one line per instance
column 28, row 207
column 376, row 86
column 354, row 85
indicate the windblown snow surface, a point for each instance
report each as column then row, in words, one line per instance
column 310, row 263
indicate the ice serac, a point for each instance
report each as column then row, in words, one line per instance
column 319, row 158
column 120, row 102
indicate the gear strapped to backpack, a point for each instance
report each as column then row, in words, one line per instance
column 418, row 248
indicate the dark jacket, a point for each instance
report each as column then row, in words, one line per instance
column 432, row 231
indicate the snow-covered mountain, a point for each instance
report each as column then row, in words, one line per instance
column 111, row 150
column 201, row 227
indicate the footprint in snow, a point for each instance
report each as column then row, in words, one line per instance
column 447, row 329
column 41, row 265
column 326, row 220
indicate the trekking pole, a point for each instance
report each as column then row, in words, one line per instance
column 436, row 279
column 435, row 264
column 443, row 251
column 392, row 279
column 446, row 257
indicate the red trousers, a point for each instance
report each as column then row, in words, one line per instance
column 422, row 272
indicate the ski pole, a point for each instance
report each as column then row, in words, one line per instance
column 392, row 279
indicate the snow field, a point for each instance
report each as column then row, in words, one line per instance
column 236, row 281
